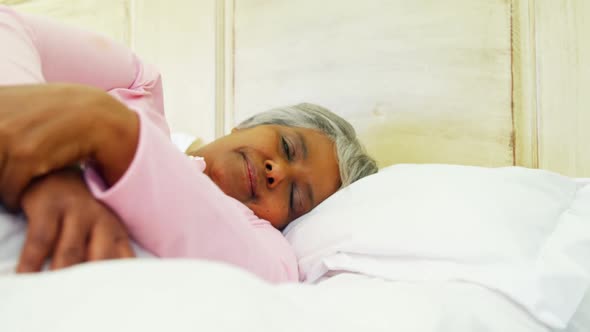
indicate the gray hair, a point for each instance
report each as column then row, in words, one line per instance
column 354, row 163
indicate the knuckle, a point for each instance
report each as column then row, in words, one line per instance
column 73, row 204
column 40, row 240
column 118, row 233
column 120, row 238
column 43, row 208
column 87, row 213
column 106, row 251
column 104, row 216
column 24, row 152
column 71, row 254
column 113, row 228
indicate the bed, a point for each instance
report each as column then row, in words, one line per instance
column 193, row 296
column 439, row 248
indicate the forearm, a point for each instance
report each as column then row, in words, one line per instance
column 108, row 132
column 49, row 126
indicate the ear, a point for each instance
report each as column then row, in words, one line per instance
column 235, row 130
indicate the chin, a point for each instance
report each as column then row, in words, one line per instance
column 226, row 186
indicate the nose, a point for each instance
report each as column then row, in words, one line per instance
column 275, row 173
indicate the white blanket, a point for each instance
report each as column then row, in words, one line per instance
column 154, row 295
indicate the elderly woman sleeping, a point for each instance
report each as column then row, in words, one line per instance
column 84, row 155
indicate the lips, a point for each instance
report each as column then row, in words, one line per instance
column 252, row 179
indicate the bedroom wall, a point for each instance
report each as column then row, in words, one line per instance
column 422, row 81
column 178, row 36
column 490, row 83
column 552, row 90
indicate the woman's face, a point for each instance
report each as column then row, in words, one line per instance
column 279, row 172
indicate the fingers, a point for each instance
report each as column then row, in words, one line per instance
column 75, row 240
column 124, row 249
column 42, row 234
column 67, row 224
column 71, row 246
column 109, row 240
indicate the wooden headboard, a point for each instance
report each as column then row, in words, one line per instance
column 498, row 82
column 421, row 80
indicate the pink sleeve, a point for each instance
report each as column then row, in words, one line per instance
column 38, row 50
column 22, row 64
column 79, row 56
column 174, row 210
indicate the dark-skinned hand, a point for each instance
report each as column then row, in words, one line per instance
column 67, row 224
column 51, row 126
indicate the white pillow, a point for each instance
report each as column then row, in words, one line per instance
column 182, row 140
column 525, row 233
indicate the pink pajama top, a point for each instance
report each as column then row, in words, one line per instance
column 168, row 204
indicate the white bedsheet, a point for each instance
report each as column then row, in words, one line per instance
column 154, row 295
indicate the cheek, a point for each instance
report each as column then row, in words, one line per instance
column 272, row 210
column 223, row 174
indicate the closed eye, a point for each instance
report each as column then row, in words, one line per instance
column 291, row 200
column 286, row 148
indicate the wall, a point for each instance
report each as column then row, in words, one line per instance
column 178, row 36
column 422, row 81
column 553, row 85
